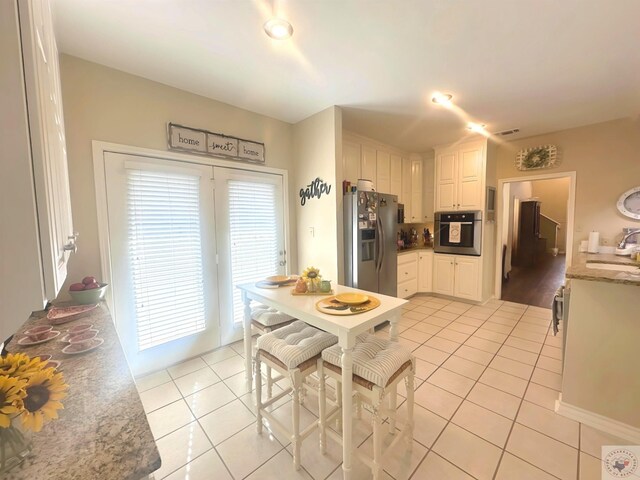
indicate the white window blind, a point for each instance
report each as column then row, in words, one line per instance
column 165, row 254
column 253, row 230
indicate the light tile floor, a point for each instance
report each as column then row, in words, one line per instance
column 487, row 379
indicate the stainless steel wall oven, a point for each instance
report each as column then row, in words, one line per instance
column 459, row 233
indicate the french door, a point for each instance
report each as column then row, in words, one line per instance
column 250, row 238
column 181, row 237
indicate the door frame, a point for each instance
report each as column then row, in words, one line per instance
column 571, row 207
column 99, row 149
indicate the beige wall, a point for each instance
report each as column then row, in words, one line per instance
column 104, row 104
column 606, row 158
column 554, row 195
column 317, row 146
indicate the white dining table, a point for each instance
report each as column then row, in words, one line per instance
column 345, row 327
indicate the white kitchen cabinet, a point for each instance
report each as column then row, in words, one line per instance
column 428, row 189
column 383, row 174
column 395, row 165
column 368, row 163
column 407, row 274
column 35, row 179
column 351, row 162
column 425, row 271
column 459, row 177
column 416, row 191
column 457, row 276
column 406, row 189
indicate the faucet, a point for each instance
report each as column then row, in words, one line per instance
column 623, row 243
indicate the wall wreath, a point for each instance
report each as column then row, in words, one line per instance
column 544, row 156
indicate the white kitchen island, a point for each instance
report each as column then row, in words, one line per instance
column 346, row 328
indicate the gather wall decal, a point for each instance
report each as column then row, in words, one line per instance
column 315, row 189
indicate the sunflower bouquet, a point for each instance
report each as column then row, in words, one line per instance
column 30, row 392
column 311, row 275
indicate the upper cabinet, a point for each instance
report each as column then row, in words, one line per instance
column 48, row 143
column 459, row 177
column 403, row 176
column 36, row 160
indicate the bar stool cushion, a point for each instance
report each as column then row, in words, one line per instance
column 296, row 343
column 374, row 359
column 268, row 316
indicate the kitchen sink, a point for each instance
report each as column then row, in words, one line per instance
column 613, row 266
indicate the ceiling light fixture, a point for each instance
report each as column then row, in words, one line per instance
column 278, row 28
column 443, row 99
column 476, row 127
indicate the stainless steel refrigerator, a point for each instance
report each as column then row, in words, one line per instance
column 370, row 246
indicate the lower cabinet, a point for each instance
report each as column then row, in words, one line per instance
column 457, row 276
column 407, row 274
column 425, row 271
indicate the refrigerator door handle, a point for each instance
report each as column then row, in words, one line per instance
column 381, row 242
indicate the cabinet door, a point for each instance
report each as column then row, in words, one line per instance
column 47, row 141
column 396, row 176
column 351, row 162
column 428, row 189
column 368, row 164
column 470, row 178
column 446, row 180
column 443, row 274
column 425, row 272
column 416, row 191
column 406, row 188
column 467, row 281
column 383, row 178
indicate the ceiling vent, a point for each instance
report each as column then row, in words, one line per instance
column 504, row 133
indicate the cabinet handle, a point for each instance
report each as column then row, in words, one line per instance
column 70, row 247
column 74, row 236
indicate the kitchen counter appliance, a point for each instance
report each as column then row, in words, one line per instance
column 459, row 233
column 370, row 247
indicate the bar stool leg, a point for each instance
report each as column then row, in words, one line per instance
column 393, row 402
column 322, row 407
column 269, row 383
column 258, row 393
column 377, row 432
column 410, row 394
column 358, row 401
column 296, row 383
column 339, row 403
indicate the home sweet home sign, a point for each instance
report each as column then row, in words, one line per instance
column 203, row 142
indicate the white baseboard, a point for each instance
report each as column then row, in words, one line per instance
column 600, row 422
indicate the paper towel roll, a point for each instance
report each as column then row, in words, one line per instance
column 594, row 242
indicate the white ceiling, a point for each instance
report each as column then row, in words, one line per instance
column 539, row 65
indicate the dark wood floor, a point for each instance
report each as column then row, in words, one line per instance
column 537, row 284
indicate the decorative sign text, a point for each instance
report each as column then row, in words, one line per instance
column 316, row 189
column 203, row 142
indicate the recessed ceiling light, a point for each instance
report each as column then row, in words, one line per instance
column 443, row 99
column 476, row 127
column 278, row 29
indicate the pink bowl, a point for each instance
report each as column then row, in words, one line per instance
column 43, row 358
column 79, row 328
column 38, row 333
column 83, row 337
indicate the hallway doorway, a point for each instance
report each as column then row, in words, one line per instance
column 535, row 231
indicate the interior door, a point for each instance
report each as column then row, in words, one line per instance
column 250, row 237
column 162, row 247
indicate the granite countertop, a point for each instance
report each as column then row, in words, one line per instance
column 103, row 432
column 580, row 271
column 414, row 249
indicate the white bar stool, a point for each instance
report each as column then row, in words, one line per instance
column 378, row 366
column 293, row 351
column 265, row 320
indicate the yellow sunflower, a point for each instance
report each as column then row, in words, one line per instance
column 311, row 273
column 11, row 395
column 20, row 365
column 44, row 391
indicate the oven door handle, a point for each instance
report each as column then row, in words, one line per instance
column 461, row 223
